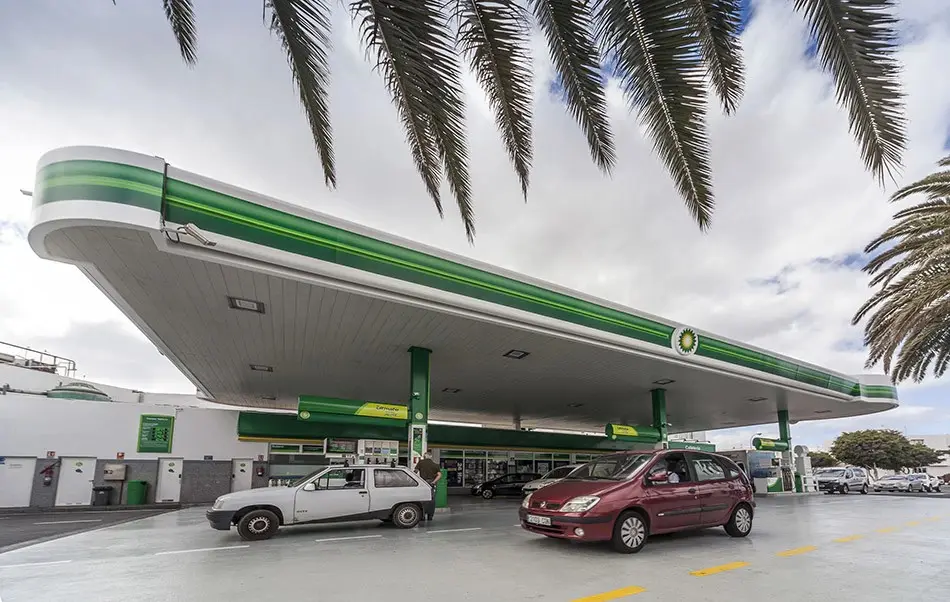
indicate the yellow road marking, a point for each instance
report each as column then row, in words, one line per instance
column 848, row 538
column 623, row 592
column 722, row 568
column 797, row 551
column 934, row 519
column 913, row 523
column 887, row 530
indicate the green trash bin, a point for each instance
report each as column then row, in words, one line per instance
column 135, row 493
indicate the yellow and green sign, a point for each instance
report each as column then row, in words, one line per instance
column 626, row 432
column 764, row 444
column 321, row 409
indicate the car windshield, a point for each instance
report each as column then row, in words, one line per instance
column 894, row 478
column 302, row 480
column 614, row 468
column 559, row 473
column 833, row 472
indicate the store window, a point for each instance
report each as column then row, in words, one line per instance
column 392, row 478
column 475, row 464
column 342, row 478
column 451, row 461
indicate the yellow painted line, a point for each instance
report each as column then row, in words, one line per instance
column 623, row 592
column 887, row 530
column 848, row 538
column 933, row 519
column 722, row 568
column 797, row 551
column 913, row 523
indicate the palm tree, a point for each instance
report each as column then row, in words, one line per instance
column 911, row 311
column 665, row 54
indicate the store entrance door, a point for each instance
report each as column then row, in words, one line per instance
column 75, row 482
column 169, row 480
column 241, row 472
column 16, row 481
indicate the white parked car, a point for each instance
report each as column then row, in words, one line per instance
column 552, row 476
column 332, row 494
column 935, row 483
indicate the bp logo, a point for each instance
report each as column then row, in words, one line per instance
column 419, row 416
column 685, row 341
column 304, row 415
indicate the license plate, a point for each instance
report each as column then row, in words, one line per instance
column 539, row 520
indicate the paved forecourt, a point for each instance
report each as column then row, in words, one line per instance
column 887, row 547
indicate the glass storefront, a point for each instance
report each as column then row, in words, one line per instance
column 470, row 467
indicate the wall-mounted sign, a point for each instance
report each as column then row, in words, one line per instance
column 155, row 434
column 312, row 449
column 311, row 407
column 209, row 457
column 341, row 446
column 119, row 455
column 50, row 455
column 284, row 448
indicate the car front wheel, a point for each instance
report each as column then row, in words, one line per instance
column 488, row 494
column 740, row 523
column 864, row 489
column 630, row 533
column 257, row 525
column 845, row 488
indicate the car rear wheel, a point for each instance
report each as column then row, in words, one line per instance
column 488, row 494
column 257, row 525
column 630, row 533
column 407, row 516
column 740, row 523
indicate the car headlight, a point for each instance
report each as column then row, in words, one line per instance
column 218, row 503
column 526, row 501
column 580, row 504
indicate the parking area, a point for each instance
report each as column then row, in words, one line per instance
column 801, row 548
column 19, row 529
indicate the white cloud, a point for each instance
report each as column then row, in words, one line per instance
column 789, row 181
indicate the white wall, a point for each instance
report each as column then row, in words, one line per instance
column 31, row 425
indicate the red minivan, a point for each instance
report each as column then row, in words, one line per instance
column 626, row 497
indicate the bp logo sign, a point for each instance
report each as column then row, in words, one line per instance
column 685, row 341
column 304, row 415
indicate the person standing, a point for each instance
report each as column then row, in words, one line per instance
column 430, row 472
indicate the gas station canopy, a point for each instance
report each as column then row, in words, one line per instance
column 258, row 302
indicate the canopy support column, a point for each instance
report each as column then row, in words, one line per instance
column 419, row 392
column 658, row 397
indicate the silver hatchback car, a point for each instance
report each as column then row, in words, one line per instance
column 552, row 476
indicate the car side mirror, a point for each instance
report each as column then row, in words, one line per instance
column 658, row 478
column 310, row 487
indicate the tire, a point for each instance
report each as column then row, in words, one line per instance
column 740, row 523
column 864, row 489
column 845, row 488
column 407, row 516
column 488, row 494
column 630, row 533
column 258, row 525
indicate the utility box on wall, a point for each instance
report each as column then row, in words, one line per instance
column 113, row 472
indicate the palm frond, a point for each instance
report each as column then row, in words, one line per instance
column 303, row 28
column 935, row 186
column 662, row 75
column 181, row 16
column 566, row 25
column 493, row 35
column 945, row 162
column 415, row 55
column 717, row 24
column 856, row 42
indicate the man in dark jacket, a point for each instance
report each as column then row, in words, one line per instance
column 430, row 472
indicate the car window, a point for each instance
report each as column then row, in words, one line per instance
column 342, row 478
column 707, row 469
column 848, row 474
column 505, row 479
column 731, row 470
column 675, row 465
column 559, row 473
column 392, row 478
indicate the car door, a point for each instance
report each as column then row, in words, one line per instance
column 714, row 487
column 511, row 485
column 672, row 506
column 338, row 492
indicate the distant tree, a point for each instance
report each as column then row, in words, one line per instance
column 919, row 455
column 873, row 449
column 820, row 459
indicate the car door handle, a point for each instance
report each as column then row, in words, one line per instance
column 691, row 490
column 364, row 492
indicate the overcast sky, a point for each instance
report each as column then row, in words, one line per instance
column 779, row 268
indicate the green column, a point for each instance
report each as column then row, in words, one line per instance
column 783, row 432
column 418, row 403
column 659, row 413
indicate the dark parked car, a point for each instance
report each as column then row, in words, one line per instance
column 624, row 498
column 509, row 484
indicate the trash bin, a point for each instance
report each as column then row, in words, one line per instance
column 101, row 496
column 135, row 493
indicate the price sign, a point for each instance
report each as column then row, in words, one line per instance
column 155, row 433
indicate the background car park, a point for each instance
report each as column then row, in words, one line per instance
column 897, row 482
column 843, row 480
column 509, row 484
